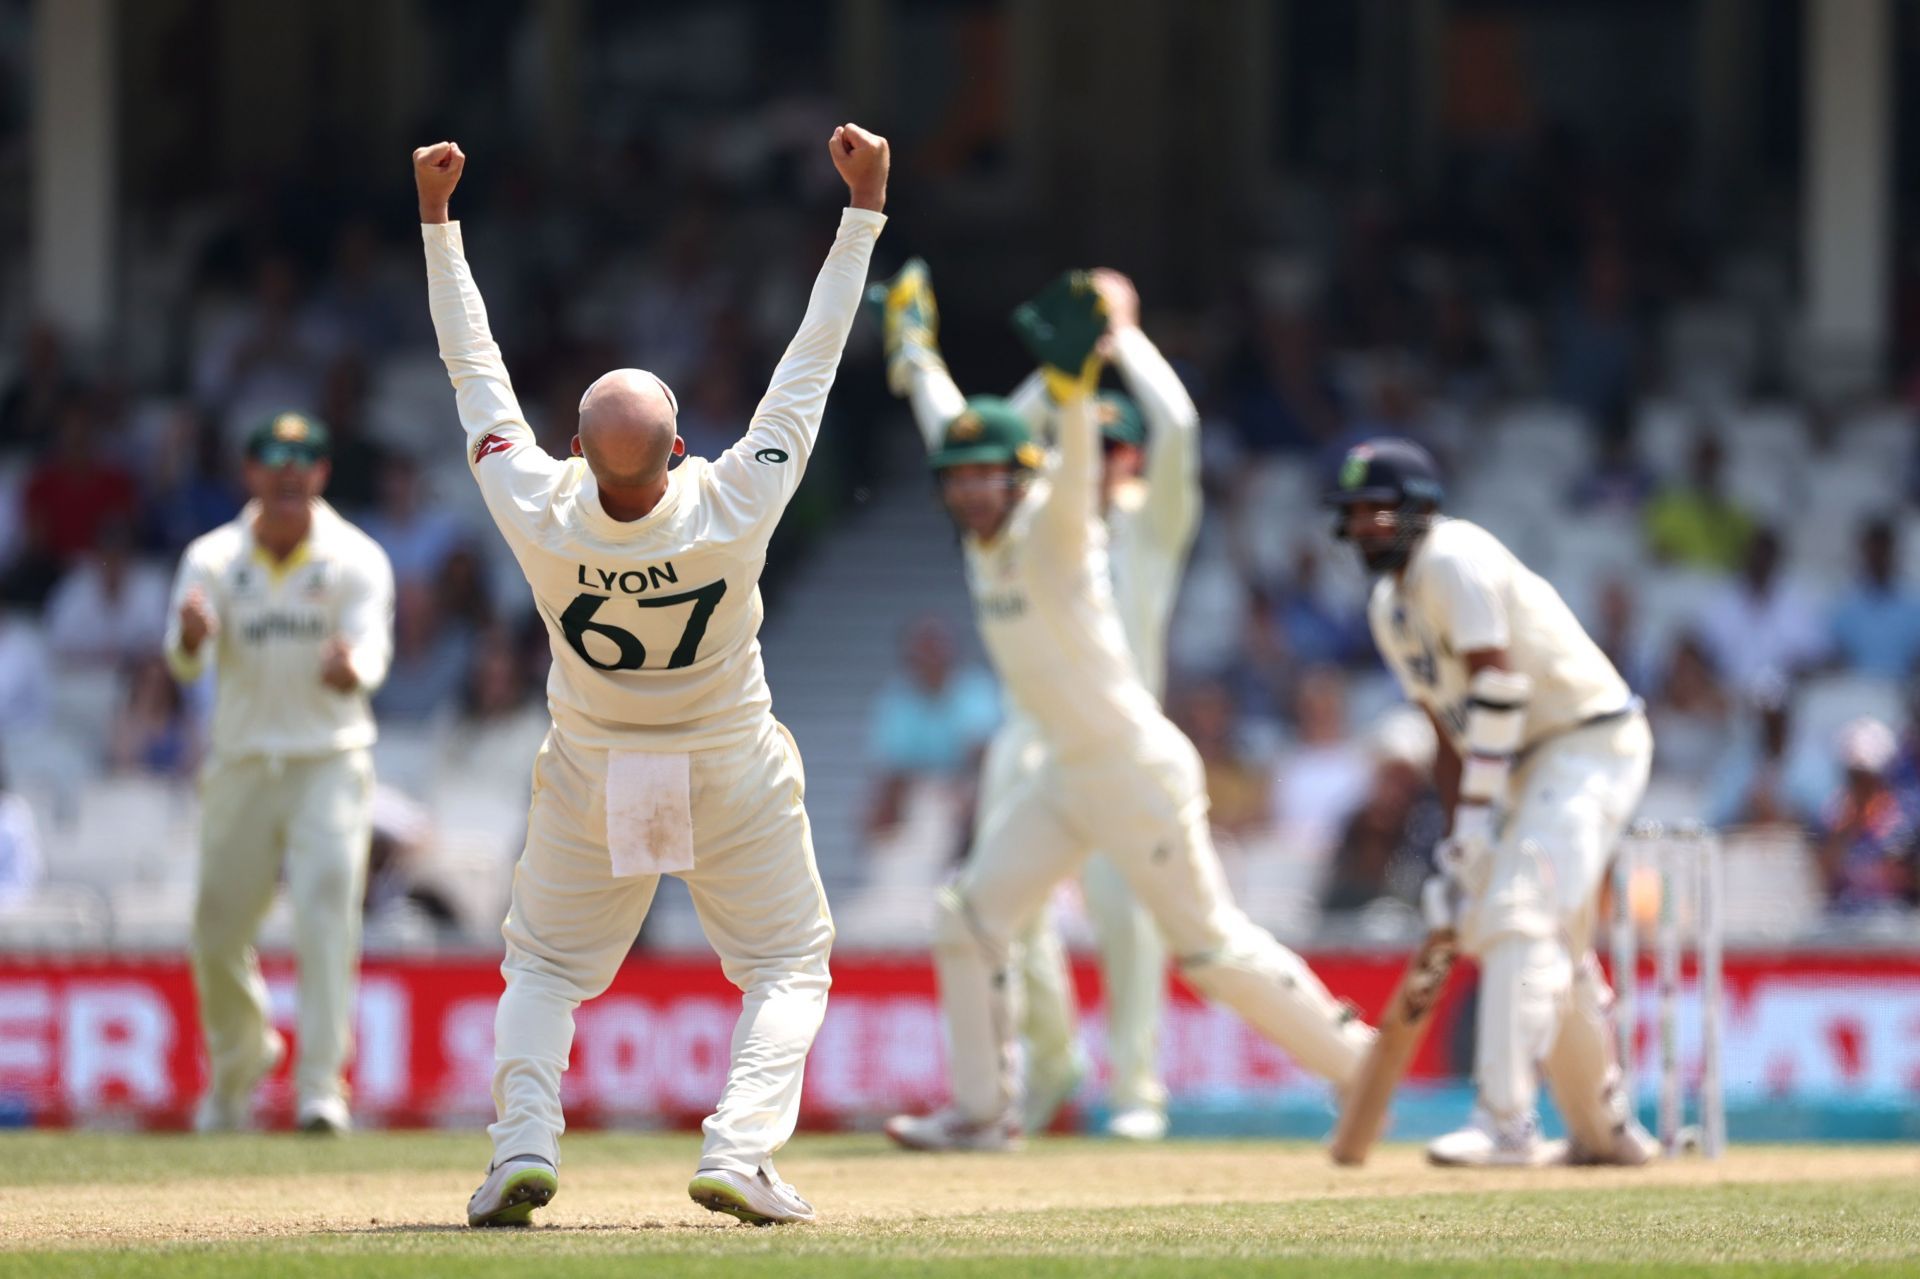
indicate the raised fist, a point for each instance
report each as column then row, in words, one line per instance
column 336, row 666
column 436, row 172
column 862, row 160
column 197, row 621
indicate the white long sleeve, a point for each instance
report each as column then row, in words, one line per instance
column 1031, row 401
column 1173, row 435
column 519, row 476
column 936, row 401
column 1065, row 523
column 787, row 420
column 653, row 622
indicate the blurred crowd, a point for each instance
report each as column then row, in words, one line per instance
column 295, row 297
column 1624, row 406
column 1606, row 392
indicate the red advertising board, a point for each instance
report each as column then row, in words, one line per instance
column 115, row 1038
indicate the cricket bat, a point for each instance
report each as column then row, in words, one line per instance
column 1402, row 1026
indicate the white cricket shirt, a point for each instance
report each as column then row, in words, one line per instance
column 1135, row 560
column 1462, row 592
column 1150, row 526
column 1044, row 600
column 654, row 623
column 275, row 617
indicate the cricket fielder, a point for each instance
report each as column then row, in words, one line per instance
column 1117, row 775
column 664, row 757
column 295, row 607
column 1150, row 490
column 1543, row 758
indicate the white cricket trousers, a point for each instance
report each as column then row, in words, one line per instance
column 314, row 814
column 1133, row 959
column 1544, row 1006
column 1150, row 817
column 571, row 924
column 1133, row 977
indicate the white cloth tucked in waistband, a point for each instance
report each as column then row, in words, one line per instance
column 649, row 814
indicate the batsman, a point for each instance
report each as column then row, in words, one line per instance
column 1543, row 758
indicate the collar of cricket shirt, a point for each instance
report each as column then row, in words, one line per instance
column 594, row 515
column 277, row 569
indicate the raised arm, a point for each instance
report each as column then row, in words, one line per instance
column 517, row 472
column 757, row 476
column 936, row 400
column 1031, row 401
column 1074, row 504
column 1061, row 327
column 1173, row 424
column 909, row 327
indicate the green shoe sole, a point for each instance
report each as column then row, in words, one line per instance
column 718, row 1196
column 525, row 1191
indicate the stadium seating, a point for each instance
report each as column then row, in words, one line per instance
column 57, row 917
column 1772, row 891
column 119, row 850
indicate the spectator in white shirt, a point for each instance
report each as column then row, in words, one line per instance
column 21, row 866
column 1322, row 777
column 1691, row 714
column 1760, row 628
column 24, row 675
column 109, row 608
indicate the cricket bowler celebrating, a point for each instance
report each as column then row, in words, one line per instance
column 1543, row 759
column 1150, row 489
column 295, row 607
column 1118, row 776
column 664, row 757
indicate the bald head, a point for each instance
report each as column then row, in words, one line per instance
column 627, row 427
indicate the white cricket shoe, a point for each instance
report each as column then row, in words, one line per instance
column 227, row 1106
column 1047, row 1091
column 324, row 1117
column 1487, row 1142
column 1138, row 1123
column 950, row 1130
column 512, row 1191
column 760, row 1200
column 1632, row 1147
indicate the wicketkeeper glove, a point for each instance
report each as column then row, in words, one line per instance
column 1060, row 326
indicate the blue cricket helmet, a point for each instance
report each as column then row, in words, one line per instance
column 1394, row 473
column 1389, row 470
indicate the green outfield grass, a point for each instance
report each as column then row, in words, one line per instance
column 393, row 1205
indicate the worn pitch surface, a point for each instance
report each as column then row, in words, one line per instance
column 394, row 1205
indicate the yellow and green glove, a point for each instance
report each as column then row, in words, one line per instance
column 1060, row 327
column 909, row 323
